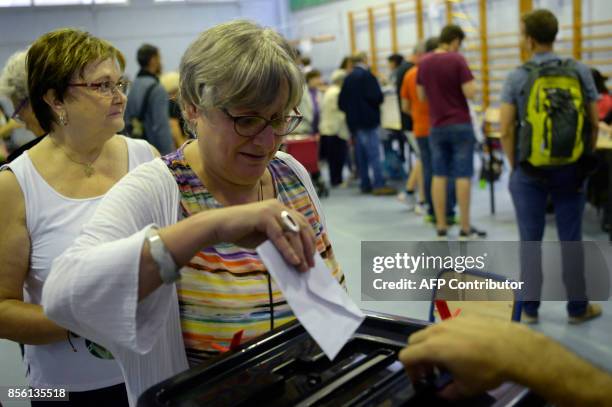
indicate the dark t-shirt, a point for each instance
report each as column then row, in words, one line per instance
column 441, row 75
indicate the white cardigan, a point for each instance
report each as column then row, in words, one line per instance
column 333, row 120
column 92, row 289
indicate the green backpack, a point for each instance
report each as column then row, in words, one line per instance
column 555, row 129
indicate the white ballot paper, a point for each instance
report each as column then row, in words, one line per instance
column 317, row 300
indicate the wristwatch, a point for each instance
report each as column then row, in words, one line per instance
column 168, row 270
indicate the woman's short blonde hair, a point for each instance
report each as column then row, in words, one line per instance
column 54, row 58
column 239, row 64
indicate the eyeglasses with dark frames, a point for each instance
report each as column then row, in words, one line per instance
column 251, row 125
column 105, row 88
column 15, row 116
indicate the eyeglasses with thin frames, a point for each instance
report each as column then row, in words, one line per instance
column 251, row 125
column 105, row 88
column 15, row 116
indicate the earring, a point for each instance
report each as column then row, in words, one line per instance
column 193, row 125
column 63, row 120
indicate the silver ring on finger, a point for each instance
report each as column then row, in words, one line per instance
column 289, row 224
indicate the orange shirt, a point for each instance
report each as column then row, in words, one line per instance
column 419, row 110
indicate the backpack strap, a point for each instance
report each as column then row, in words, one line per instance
column 569, row 63
column 533, row 71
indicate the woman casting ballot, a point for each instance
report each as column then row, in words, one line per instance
column 202, row 209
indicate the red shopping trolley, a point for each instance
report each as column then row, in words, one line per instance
column 305, row 149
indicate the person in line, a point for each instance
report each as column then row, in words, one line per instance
column 446, row 82
column 530, row 186
column 398, row 66
column 604, row 103
column 482, row 353
column 419, row 112
column 75, row 90
column 147, row 111
column 14, row 86
column 346, row 65
column 360, row 99
column 197, row 214
column 334, row 131
column 310, row 105
column 170, row 82
column 6, row 129
column 305, row 64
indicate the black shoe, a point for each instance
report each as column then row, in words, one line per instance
column 442, row 235
column 472, row 234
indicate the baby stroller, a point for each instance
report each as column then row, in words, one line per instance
column 305, row 149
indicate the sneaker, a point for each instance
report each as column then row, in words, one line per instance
column 382, row 191
column 472, row 234
column 430, row 219
column 528, row 318
column 407, row 199
column 592, row 311
column 442, row 235
column 420, row 208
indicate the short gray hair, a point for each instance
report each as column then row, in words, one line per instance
column 14, row 78
column 238, row 64
column 359, row 57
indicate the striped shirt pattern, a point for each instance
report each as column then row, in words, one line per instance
column 226, row 288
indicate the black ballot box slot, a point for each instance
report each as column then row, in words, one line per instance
column 287, row 368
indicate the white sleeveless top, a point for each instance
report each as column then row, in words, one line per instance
column 54, row 221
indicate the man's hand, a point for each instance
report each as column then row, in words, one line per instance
column 480, row 353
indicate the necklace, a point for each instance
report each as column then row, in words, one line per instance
column 89, row 169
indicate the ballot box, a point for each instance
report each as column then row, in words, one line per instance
column 287, row 368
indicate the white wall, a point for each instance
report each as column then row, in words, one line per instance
column 170, row 26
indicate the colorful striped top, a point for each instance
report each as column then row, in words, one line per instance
column 226, row 288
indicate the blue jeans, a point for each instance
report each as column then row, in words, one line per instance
column 425, row 152
column 368, row 155
column 452, row 150
column 529, row 195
